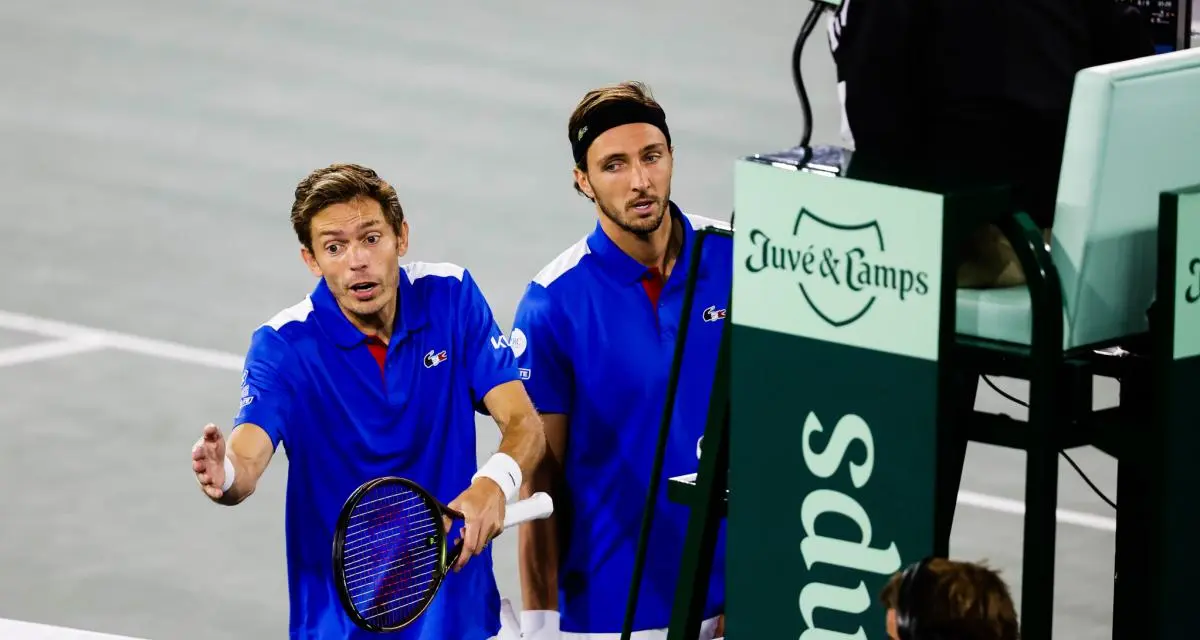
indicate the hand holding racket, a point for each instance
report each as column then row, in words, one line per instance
column 481, row 508
column 390, row 552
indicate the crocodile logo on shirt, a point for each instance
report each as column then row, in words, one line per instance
column 433, row 359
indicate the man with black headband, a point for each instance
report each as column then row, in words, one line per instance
column 594, row 337
column 945, row 599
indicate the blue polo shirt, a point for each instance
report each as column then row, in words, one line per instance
column 597, row 349
column 312, row 383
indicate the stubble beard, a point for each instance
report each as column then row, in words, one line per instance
column 641, row 228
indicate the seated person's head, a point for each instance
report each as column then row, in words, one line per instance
column 939, row 599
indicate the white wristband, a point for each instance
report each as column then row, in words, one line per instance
column 536, row 620
column 504, row 471
column 230, row 472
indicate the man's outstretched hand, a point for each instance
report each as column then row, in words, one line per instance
column 208, row 461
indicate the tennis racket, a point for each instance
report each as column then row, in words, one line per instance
column 390, row 552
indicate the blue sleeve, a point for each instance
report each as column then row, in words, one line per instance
column 266, row 394
column 489, row 360
column 545, row 365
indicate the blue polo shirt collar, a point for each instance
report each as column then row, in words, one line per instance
column 623, row 267
column 334, row 322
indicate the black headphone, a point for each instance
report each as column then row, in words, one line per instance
column 916, row 588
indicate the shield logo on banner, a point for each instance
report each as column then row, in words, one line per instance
column 839, row 286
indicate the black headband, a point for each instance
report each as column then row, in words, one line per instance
column 913, row 599
column 614, row 114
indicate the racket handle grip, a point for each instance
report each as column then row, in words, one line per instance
column 535, row 507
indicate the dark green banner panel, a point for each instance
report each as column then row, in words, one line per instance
column 1178, row 437
column 833, row 428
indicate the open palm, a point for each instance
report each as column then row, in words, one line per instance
column 208, row 461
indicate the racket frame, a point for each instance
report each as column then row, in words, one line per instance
column 535, row 507
column 445, row 556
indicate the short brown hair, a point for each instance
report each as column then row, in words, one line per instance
column 628, row 91
column 963, row 600
column 336, row 184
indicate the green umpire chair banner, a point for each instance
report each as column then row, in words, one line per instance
column 1177, row 436
column 838, row 312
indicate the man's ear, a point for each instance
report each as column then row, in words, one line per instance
column 311, row 261
column 402, row 240
column 585, row 185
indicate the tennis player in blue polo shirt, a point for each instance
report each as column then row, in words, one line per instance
column 595, row 337
column 378, row 372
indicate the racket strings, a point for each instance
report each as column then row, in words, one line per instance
column 376, row 561
column 386, row 534
column 380, row 516
column 390, row 555
column 377, row 557
column 401, row 604
column 378, row 527
column 359, row 583
column 384, row 562
column 387, row 506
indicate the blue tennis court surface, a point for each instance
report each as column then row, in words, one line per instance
column 151, row 150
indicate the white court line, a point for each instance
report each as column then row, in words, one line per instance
column 121, row 341
column 47, row 350
column 220, row 360
column 1016, row 507
column 17, row 630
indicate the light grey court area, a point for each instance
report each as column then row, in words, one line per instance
column 150, row 151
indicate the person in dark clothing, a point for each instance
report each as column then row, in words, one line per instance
column 953, row 94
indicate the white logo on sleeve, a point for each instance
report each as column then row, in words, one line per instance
column 518, row 342
column 247, row 395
